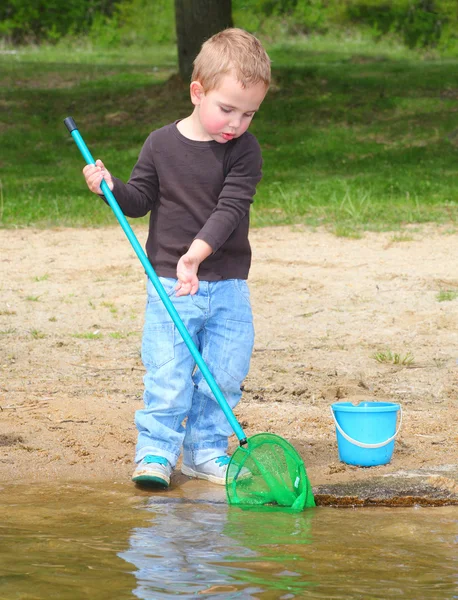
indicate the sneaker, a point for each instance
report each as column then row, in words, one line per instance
column 153, row 469
column 213, row 470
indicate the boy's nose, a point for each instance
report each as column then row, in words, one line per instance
column 234, row 122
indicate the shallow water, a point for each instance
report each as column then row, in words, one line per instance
column 115, row 541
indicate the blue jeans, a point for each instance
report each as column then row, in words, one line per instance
column 220, row 322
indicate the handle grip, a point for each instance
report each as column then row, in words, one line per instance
column 71, row 126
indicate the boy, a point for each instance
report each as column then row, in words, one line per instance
column 197, row 177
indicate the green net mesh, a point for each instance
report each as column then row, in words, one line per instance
column 268, row 471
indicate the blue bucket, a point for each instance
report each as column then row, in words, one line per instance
column 366, row 431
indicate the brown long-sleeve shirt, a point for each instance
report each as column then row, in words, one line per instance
column 194, row 190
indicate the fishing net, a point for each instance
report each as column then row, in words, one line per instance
column 268, row 471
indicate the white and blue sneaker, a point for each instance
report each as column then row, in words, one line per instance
column 213, row 470
column 153, row 469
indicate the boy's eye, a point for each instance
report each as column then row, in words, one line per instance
column 225, row 110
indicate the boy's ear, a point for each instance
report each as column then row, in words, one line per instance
column 197, row 92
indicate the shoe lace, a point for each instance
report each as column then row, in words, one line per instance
column 223, row 460
column 149, row 458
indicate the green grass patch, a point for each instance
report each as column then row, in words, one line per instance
column 119, row 335
column 447, row 295
column 8, row 331
column 91, row 335
column 402, row 237
column 355, row 136
column 37, row 334
column 111, row 307
column 394, row 358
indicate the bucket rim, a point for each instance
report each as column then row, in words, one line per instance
column 366, row 406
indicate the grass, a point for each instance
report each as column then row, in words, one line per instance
column 37, row 334
column 394, row 358
column 87, row 336
column 402, row 237
column 447, row 295
column 112, row 308
column 119, row 335
column 355, row 136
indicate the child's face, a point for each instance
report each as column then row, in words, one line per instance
column 226, row 112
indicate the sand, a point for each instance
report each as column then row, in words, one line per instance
column 325, row 307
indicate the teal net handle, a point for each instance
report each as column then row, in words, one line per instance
column 72, row 128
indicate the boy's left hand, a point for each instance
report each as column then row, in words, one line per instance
column 188, row 282
column 188, row 265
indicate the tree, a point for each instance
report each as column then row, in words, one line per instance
column 196, row 21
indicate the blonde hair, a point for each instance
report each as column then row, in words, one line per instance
column 231, row 51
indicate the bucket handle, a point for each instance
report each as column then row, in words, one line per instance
column 362, row 444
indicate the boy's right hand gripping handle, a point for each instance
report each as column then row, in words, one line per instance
column 73, row 129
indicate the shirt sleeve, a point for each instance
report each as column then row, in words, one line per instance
column 245, row 172
column 137, row 197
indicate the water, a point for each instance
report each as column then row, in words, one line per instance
column 117, row 542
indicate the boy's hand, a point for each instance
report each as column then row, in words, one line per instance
column 94, row 175
column 188, row 282
column 188, row 265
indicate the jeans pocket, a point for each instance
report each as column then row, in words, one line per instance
column 237, row 349
column 158, row 344
column 243, row 289
column 167, row 283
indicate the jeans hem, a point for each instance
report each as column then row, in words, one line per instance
column 172, row 457
column 197, row 456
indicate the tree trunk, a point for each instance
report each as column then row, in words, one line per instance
column 196, row 21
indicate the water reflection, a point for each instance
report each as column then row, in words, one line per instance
column 202, row 550
column 197, row 550
column 278, row 541
column 114, row 542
